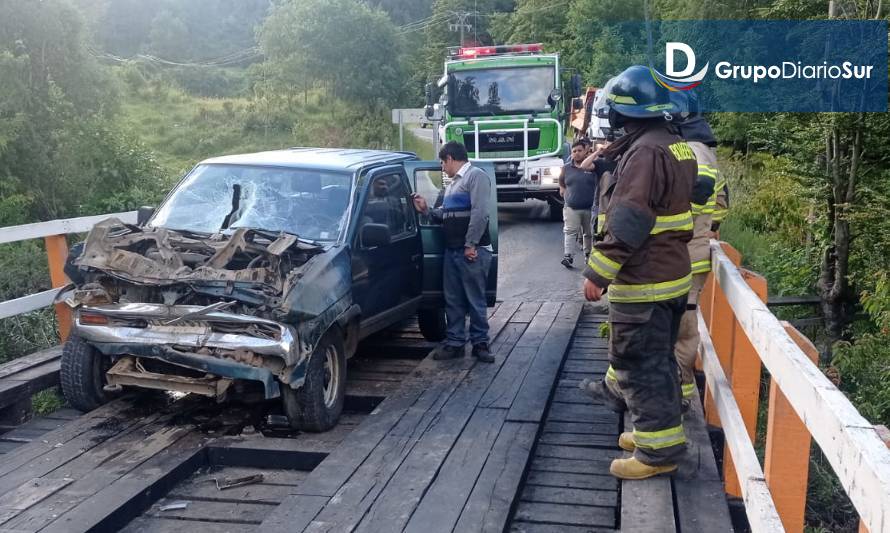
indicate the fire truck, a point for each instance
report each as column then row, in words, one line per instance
column 508, row 105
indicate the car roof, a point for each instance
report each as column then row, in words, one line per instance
column 347, row 159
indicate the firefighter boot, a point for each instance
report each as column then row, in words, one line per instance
column 632, row 468
column 600, row 393
column 626, row 441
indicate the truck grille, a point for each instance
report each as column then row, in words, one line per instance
column 493, row 141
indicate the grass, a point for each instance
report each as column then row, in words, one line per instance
column 46, row 402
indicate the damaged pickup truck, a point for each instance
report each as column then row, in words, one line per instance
column 258, row 273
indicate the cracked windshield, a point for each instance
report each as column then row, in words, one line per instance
column 215, row 198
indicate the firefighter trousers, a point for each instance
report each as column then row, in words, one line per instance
column 643, row 375
column 688, row 339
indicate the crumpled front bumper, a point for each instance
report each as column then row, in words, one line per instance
column 252, row 348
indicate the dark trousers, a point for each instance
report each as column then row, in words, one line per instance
column 644, row 375
column 464, row 286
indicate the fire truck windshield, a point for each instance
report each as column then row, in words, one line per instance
column 502, row 91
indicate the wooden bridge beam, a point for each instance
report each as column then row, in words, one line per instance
column 56, row 255
column 788, row 441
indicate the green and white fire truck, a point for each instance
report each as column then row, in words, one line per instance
column 507, row 105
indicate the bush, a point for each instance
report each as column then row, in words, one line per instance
column 210, row 81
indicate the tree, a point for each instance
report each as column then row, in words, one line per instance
column 343, row 46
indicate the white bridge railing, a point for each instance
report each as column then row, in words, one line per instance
column 54, row 235
column 739, row 334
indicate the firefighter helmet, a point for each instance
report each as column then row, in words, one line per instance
column 635, row 94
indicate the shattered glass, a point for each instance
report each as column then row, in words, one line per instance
column 215, row 198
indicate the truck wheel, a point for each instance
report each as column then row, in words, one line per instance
column 432, row 324
column 82, row 375
column 555, row 211
column 316, row 406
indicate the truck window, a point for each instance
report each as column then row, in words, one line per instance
column 389, row 203
column 430, row 186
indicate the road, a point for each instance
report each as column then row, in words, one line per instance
column 530, row 250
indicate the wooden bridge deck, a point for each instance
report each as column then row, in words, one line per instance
column 426, row 446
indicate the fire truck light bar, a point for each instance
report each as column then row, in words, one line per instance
column 478, row 51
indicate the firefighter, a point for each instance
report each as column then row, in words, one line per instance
column 643, row 261
column 697, row 133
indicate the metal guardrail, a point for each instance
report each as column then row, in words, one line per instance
column 54, row 235
column 739, row 333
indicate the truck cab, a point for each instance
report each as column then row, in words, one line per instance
column 506, row 105
column 259, row 271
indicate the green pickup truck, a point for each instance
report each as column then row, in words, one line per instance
column 259, row 272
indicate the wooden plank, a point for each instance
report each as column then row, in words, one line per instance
column 585, row 367
column 531, row 400
column 576, row 452
column 117, row 503
column 601, row 498
column 114, row 466
column 505, row 386
column 146, row 524
column 29, row 382
column 294, row 514
column 536, row 527
column 75, row 438
column 701, row 506
column 582, row 427
column 575, row 515
column 507, row 339
column 31, row 493
column 397, row 501
column 647, row 505
column 225, row 512
column 744, row 375
column 28, row 361
column 759, row 506
column 526, row 312
column 573, row 481
column 26, row 304
column 441, row 505
column 591, row 413
column 599, row 466
column 787, row 455
column 575, row 439
column 60, row 227
column 540, row 324
column 698, row 463
column 488, row 505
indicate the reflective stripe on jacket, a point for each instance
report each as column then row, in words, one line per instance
column 699, row 247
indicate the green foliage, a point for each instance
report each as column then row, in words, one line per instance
column 361, row 65
column 604, row 330
column 46, row 402
column 865, row 371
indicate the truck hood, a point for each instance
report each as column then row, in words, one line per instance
column 160, row 257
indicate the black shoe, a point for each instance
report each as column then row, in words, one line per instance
column 568, row 261
column 480, row 352
column 446, row 351
column 597, row 390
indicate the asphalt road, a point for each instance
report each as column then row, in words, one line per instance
column 530, row 250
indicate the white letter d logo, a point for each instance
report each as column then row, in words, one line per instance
column 669, row 50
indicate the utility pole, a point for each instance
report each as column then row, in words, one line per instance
column 461, row 24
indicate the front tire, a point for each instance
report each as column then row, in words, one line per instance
column 316, row 406
column 82, row 375
column 432, row 324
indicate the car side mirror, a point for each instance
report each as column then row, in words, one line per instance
column 428, row 94
column 374, row 235
column 143, row 214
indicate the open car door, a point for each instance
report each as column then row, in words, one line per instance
column 427, row 179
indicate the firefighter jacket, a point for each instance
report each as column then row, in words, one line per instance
column 704, row 202
column 642, row 255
